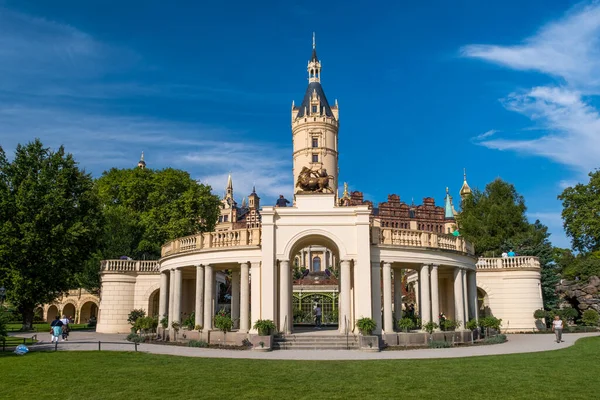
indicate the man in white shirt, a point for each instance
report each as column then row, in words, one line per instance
column 65, row 331
column 557, row 327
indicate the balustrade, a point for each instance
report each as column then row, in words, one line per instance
column 213, row 240
column 413, row 238
column 146, row 266
column 517, row 262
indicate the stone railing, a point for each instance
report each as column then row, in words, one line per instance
column 213, row 240
column 140, row 267
column 413, row 238
column 519, row 262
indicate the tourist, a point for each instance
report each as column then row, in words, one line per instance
column 504, row 254
column 318, row 315
column 282, row 201
column 56, row 329
column 511, row 253
column 65, row 327
column 557, row 327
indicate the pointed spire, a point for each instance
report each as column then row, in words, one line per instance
column 229, row 182
column 465, row 190
column 142, row 158
column 314, row 49
column 142, row 163
column 244, row 202
column 448, row 207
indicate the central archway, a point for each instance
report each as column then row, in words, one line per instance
column 309, row 290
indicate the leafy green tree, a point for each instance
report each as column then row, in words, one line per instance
column 49, row 224
column 494, row 220
column 143, row 209
column 581, row 214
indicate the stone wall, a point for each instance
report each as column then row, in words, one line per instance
column 583, row 295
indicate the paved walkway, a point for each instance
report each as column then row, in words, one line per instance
column 524, row 343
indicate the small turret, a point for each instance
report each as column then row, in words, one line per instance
column 142, row 163
column 448, row 206
column 253, row 200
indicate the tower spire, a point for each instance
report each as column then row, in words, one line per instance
column 465, row 190
column 142, row 163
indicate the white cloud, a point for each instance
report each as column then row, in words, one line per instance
column 484, row 135
column 568, row 49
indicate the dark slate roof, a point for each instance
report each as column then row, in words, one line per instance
column 314, row 55
column 323, row 104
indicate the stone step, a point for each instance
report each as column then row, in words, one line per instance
column 287, row 346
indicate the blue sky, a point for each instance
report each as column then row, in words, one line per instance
column 504, row 90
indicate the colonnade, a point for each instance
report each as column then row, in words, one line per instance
column 171, row 282
column 427, row 294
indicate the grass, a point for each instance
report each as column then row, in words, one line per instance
column 15, row 341
column 43, row 327
column 110, row 375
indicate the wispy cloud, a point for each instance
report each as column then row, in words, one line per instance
column 485, row 134
column 567, row 49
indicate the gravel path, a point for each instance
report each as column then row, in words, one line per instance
column 523, row 343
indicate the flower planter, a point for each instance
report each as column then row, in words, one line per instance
column 369, row 343
column 267, row 342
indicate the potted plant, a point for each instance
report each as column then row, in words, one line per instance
column 405, row 324
column 366, row 326
column 263, row 341
column 264, row 327
column 451, row 325
column 430, row 327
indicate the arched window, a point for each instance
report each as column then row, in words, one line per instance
column 316, row 264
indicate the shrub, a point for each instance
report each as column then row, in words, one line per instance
column 135, row 338
column 190, row 321
column 495, row 339
column 197, row 343
column 164, row 321
column 490, row 322
column 472, row 325
column 366, row 326
column 223, row 321
column 406, row 324
column 450, row 325
column 590, row 317
column 430, row 327
column 264, row 326
column 569, row 313
column 3, row 323
column 134, row 315
column 199, row 328
column 539, row 314
column 146, row 324
column 439, row 344
column 92, row 322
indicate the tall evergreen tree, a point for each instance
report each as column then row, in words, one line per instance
column 49, row 224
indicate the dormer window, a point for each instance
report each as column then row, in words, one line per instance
column 314, row 109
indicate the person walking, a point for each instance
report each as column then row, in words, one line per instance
column 557, row 327
column 318, row 315
column 56, row 329
column 65, row 327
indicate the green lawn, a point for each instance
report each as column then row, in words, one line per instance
column 43, row 327
column 569, row 373
column 14, row 341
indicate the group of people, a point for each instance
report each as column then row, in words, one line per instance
column 60, row 328
column 510, row 253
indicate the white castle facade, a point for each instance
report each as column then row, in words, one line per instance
column 363, row 261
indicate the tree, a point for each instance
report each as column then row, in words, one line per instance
column 50, row 220
column 143, row 209
column 581, row 214
column 490, row 218
column 494, row 221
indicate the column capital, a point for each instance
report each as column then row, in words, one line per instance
column 434, row 265
column 386, row 263
column 199, row 265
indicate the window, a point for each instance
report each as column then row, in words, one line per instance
column 315, row 158
column 315, row 142
column 221, row 220
column 225, row 218
column 314, row 109
column 317, row 264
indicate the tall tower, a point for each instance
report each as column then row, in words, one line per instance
column 315, row 127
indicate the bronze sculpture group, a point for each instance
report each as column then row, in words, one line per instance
column 314, row 181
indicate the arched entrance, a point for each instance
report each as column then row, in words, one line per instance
column 311, row 287
column 153, row 301
column 483, row 303
column 52, row 313
column 88, row 310
column 69, row 311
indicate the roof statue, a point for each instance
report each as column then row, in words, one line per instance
column 314, row 181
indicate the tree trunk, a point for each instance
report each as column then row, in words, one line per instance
column 27, row 313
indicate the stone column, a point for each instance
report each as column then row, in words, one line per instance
column 472, row 278
column 309, row 260
column 177, row 296
column 388, row 322
column 199, row 304
column 435, row 295
column 425, row 300
column 376, row 293
column 459, row 310
column 398, row 294
column 171, row 297
column 164, row 295
column 345, row 320
column 244, row 297
column 209, row 284
column 235, row 298
column 284, row 296
column 465, row 297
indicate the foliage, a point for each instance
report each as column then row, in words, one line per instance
column 134, row 315
column 500, row 338
column 366, row 326
column 190, row 321
column 3, row 322
column 580, row 214
column 430, row 326
column 439, row 344
column 164, row 321
column 406, row 324
column 539, row 314
column 50, row 219
column 490, row 322
column 223, row 321
column 590, row 317
column 264, row 326
column 197, row 343
column 176, row 326
column 198, row 328
column 135, row 338
column 143, row 209
column 92, row 322
column 146, row 324
column 471, row 325
column 582, row 266
column 450, row 325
